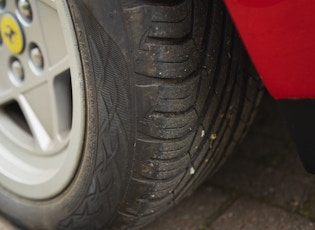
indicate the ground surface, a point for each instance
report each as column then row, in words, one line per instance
column 262, row 186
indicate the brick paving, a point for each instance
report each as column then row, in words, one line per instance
column 262, row 186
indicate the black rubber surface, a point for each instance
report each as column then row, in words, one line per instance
column 170, row 92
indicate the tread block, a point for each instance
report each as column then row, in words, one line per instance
column 167, row 97
column 169, row 125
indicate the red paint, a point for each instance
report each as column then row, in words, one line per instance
column 280, row 38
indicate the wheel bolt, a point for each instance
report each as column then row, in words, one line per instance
column 17, row 71
column 25, row 9
column 37, row 57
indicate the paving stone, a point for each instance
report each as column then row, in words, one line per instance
column 275, row 186
column 308, row 208
column 247, row 214
column 191, row 213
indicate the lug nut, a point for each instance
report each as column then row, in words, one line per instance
column 37, row 57
column 25, row 9
column 17, row 71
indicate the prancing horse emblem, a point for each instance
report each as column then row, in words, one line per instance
column 10, row 34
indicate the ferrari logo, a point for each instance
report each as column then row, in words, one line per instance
column 11, row 34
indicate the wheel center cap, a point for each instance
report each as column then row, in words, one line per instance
column 11, row 33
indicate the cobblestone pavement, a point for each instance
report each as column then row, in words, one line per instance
column 262, row 186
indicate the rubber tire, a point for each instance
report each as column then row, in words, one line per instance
column 169, row 93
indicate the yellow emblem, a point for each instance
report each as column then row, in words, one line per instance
column 11, row 34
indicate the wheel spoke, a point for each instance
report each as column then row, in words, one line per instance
column 41, row 100
column 50, row 3
column 38, row 128
column 59, row 68
column 6, row 97
column 4, row 69
column 52, row 33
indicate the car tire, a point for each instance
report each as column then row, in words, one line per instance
column 168, row 91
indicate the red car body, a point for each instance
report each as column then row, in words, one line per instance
column 280, row 38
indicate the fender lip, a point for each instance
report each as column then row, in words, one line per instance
column 279, row 38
